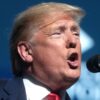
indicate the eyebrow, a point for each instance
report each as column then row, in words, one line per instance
column 75, row 27
column 61, row 28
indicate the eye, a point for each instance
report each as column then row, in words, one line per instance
column 56, row 34
column 76, row 33
column 75, row 30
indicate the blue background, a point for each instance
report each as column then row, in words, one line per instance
column 88, row 86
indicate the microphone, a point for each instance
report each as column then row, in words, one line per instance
column 93, row 64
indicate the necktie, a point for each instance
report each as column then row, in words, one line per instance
column 53, row 96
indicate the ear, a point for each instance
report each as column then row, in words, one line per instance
column 25, row 52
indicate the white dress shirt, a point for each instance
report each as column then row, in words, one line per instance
column 34, row 91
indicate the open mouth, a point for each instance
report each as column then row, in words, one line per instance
column 73, row 60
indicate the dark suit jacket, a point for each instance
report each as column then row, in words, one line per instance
column 14, row 90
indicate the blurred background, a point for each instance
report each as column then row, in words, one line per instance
column 88, row 86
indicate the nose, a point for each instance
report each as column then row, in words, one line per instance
column 72, row 42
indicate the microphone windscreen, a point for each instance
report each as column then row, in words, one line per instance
column 93, row 64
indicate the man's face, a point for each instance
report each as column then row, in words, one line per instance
column 57, row 54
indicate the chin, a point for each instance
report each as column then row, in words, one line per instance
column 74, row 75
column 74, row 78
column 68, row 82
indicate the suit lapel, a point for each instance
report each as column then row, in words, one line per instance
column 15, row 89
column 67, row 96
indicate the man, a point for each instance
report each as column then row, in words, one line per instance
column 45, row 51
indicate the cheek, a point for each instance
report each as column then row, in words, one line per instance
column 79, row 46
column 48, row 56
column 80, row 53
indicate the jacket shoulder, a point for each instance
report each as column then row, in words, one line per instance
column 3, row 95
column 12, row 89
column 3, row 83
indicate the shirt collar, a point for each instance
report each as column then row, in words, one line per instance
column 34, row 91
